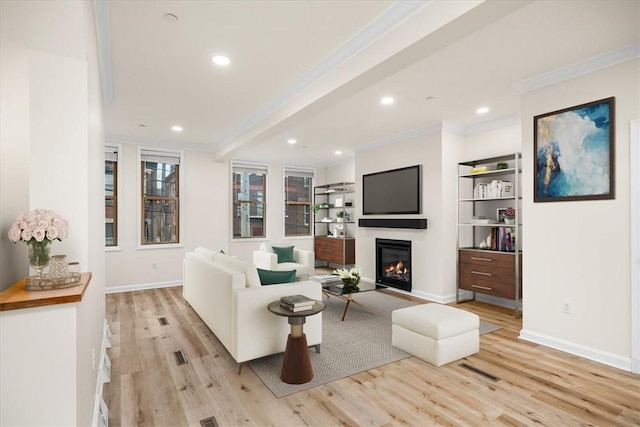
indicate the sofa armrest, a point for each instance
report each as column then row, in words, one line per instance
column 306, row 258
column 258, row 332
column 265, row 260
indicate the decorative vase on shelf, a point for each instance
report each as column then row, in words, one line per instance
column 59, row 270
column 39, row 256
column 509, row 220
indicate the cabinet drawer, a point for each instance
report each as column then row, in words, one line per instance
column 483, row 286
column 494, row 259
column 488, row 273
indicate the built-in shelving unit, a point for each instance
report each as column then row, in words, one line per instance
column 490, row 249
column 334, row 224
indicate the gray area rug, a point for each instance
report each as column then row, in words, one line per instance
column 361, row 342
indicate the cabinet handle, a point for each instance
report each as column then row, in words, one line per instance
column 481, row 273
column 482, row 287
column 481, row 259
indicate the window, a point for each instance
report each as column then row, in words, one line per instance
column 249, row 184
column 298, row 185
column 160, row 197
column 111, row 195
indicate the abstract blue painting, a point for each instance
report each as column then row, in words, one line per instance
column 574, row 153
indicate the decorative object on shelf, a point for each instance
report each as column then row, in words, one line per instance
column 510, row 216
column 59, row 270
column 479, row 169
column 350, row 279
column 340, row 216
column 37, row 229
column 319, row 206
column 574, row 153
column 502, row 165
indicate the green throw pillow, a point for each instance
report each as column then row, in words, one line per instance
column 270, row 277
column 284, row 254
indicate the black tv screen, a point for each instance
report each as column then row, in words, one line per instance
column 396, row 191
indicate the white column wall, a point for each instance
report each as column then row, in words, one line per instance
column 427, row 256
column 580, row 251
column 51, row 155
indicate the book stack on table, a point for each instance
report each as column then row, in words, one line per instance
column 297, row 303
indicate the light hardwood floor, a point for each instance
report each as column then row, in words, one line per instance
column 538, row 386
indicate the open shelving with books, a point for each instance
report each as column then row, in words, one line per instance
column 488, row 228
column 334, row 220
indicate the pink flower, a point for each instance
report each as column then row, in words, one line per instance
column 14, row 234
column 52, row 232
column 39, row 234
column 26, row 234
column 39, row 224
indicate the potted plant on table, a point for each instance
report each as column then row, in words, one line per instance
column 350, row 279
column 510, row 216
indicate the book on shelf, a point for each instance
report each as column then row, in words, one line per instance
column 297, row 301
column 296, row 309
column 502, row 239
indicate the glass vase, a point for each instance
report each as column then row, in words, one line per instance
column 59, row 270
column 39, row 257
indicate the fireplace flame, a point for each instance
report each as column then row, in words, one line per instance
column 397, row 269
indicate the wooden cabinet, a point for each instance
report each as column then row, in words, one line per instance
column 335, row 250
column 334, row 223
column 490, row 273
column 489, row 243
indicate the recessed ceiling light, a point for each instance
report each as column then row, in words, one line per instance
column 387, row 100
column 170, row 17
column 221, row 60
column 291, row 141
column 337, row 152
column 482, row 110
column 176, row 128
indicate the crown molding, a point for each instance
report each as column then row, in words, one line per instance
column 155, row 142
column 586, row 66
column 411, row 133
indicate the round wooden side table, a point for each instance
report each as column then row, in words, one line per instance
column 296, row 367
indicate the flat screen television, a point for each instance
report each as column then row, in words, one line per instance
column 396, row 191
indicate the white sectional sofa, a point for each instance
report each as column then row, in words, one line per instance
column 226, row 293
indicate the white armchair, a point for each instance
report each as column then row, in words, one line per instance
column 266, row 259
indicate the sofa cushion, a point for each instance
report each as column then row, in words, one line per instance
column 285, row 254
column 246, row 268
column 206, row 253
column 270, row 277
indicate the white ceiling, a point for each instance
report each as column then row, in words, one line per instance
column 315, row 71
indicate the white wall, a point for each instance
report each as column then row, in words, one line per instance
column 579, row 251
column 206, row 221
column 51, row 158
column 428, row 260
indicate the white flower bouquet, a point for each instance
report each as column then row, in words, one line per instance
column 350, row 279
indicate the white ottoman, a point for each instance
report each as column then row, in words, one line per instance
column 436, row 333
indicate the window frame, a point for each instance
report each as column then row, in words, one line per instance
column 235, row 165
column 141, row 199
column 111, row 147
column 297, row 171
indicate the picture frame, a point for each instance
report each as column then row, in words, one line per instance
column 500, row 214
column 574, row 153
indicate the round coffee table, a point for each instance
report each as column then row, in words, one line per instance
column 296, row 367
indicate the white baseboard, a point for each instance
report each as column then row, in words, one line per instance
column 596, row 355
column 142, row 287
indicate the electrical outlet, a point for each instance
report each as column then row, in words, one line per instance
column 567, row 307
